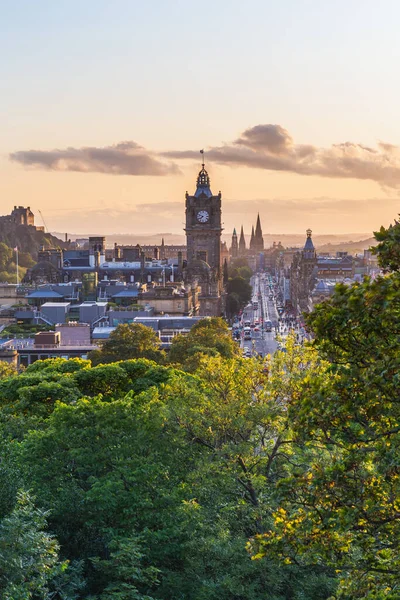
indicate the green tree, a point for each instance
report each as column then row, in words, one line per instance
column 29, row 563
column 190, row 466
column 6, row 255
column 105, row 379
column 232, row 304
column 388, row 248
column 127, row 341
column 209, row 336
column 124, row 571
column 238, row 285
column 341, row 507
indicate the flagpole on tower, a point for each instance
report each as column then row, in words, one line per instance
column 202, row 153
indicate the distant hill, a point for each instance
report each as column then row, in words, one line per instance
column 350, row 247
column 269, row 238
column 27, row 238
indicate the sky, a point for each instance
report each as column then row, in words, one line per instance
column 104, row 106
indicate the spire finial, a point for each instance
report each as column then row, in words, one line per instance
column 202, row 156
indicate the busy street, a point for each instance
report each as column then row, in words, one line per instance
column 263, row 325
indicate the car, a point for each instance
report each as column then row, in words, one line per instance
column 256, row 329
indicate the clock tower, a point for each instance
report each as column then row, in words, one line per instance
column 203, row 238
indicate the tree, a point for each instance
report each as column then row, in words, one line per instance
column 341, row 506
column 7, row 370
column 6, row 255
column 237, row 413
column 241, row 287
column 29, row 563
column 388, row 248
column 232, row 304
column 127, row 341
column 124, row 571
column 176, row 479
column 209, row 336
column 109, row 380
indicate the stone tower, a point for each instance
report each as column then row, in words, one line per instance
column 306, row 271
column 234, row 247
column 203, row 239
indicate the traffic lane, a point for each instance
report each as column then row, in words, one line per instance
column 273, row 314
column 263, row 343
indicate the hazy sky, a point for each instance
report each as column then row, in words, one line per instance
column 104, row 106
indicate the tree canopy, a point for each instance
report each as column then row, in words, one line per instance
column 214, row 477
column 209, row 336
column 132, row 340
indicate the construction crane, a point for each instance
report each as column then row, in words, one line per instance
column 44, row 222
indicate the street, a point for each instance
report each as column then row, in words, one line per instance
column 262, row 342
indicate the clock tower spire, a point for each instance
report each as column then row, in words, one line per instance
column 203, row 238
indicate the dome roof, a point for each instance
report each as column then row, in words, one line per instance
column 203, row 184
column 309, row 243
column 199, row 265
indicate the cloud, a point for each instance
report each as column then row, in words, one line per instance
column 271, row 147
column 125, row 158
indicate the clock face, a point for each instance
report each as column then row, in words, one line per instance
column 203, row 216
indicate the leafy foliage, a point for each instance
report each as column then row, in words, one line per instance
column 388, row 248
column 210, row 337
column 7, row 370
column 127, row 341
column 29, row 563
column 242, row 288
column 341, row 506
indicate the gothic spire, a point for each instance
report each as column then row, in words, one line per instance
column 242, row 242
column 258, row 227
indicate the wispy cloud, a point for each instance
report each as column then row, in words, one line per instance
column 125, row 158
column 271, row 147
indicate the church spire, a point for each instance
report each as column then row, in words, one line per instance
column 258, row 238
column 242, row 243
column 258, row 227
column 234, row 246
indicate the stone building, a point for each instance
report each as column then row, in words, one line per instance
column 23, row 216
column 303, row 275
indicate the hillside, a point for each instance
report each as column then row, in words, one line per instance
column 28, row 239
column 287, row 240
column 350, row 247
